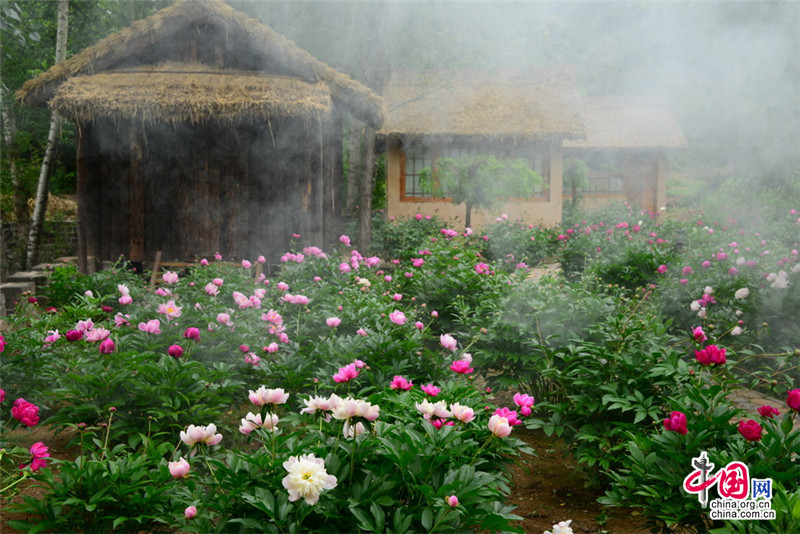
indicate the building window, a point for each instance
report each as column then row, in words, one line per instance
column 604, row 174
column 418, row 156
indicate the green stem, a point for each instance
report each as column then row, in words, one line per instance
column 439, row 521
column 485, row 443
column 108, row 434
column 25, row 475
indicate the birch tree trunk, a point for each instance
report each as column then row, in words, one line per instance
column 40, row 208
column 9, row 131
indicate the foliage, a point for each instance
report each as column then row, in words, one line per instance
column 480, row 181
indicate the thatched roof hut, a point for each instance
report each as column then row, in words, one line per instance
column 541, row 104
column 204, row 121
column 628, row 123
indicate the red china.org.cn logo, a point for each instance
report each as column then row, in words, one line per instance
column 740, row 497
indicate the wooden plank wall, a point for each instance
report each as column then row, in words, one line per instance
column 191, row 191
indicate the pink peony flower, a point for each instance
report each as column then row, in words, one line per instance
column 246, row 264
column 448, row 342
column 750, row 429
column 38, row 454
column 430, row 389
column 344, row 240
column 170, row 309
column 499, row 426
column 263, row 396
column 252, row 421
column 169, row 277
column 152, row 326
column 271, row 348
column 398, row 317
column 419, row 325
column 201, row 434
column 333, row 322
column 361, row 332
column 192, row 333
column 400, row 382
column 252, row 359
column 179, row 469
column 768, row 411
column 74, row 335
column 107, row 346
column 176, row 351
column 124, row 300
column 525, row 402
column 25, row 412
column 698, row 334
column 433, row 409
column 2, row 394
column 461, row 367
column 661, row 269
column 676, row 423
column 191, row 511
column 511, row 415
column 710, row 355
column 451, row 500
column 465, row 414
column 346, row 373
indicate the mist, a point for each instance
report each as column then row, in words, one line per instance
column 729, row 70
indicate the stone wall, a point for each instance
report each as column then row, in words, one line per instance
column 58, row 239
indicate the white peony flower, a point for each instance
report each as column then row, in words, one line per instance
column 561, row 528
column 307, row 478
column 742, row 293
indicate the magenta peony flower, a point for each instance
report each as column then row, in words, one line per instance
column 676, row 423
column 793, row 399
column 768, row 411
column 176, row 351
column 451, row 501
column 430, row 389
column 750, row 429
column 74, row 335
column 25, row 412
column 107, row 346
column 346, row 373
column 400, row 382
column 192, row 333
column 461, row 367
column 525, row 403
column 710, row 355
column 698, row 334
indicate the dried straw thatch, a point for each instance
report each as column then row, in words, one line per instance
column 191, row 93
column 630, row 123
column 261, row 41
column 542, row 104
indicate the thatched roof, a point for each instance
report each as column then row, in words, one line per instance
column 535, row 105
column 193, row 93
column 617, row 122
column 261, row 41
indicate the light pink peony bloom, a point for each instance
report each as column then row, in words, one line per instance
column 170, row 309
column 124, row 300
column 333, row 322
column 52, row 336
column 398, row 317
column 252, row 358
column 344, row 240
column 451, row 500
column 263, row 396
column 350, row 431
column 201, row 434
column 271, row 348
column 350, row 407
column 448, row 342
column 83, row 326
column 119, row 320
column 499, row 426
column 246, row 264
column 465, row 414
column 241, row 300
column 361, row 332
column 152, row 326
column 211, row 289
column 179, row 469
column 252, row 421
column 169, row 277
column 97, row 334
column 433, row 409
column 191, row 511
column 224, row 318
column 321, row 404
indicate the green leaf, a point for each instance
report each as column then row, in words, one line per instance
column 427, row 518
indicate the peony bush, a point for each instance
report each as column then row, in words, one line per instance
column 348, row 391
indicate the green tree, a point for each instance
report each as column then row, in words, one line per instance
column 480, row 182
column 574, row 177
